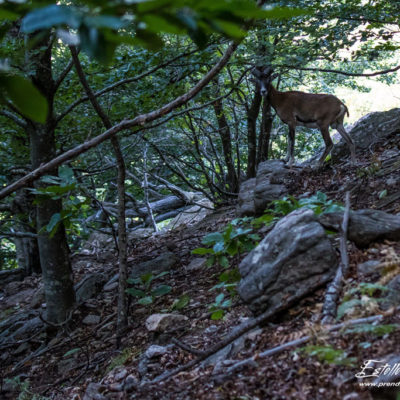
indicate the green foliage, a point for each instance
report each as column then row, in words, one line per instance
column 319, row 203
column 369, row 171
column 23, row 387
column 181, row 302
column 375, row 330
column 329, row 355
column 360, row 298
column 237, row 237
column 74, row 206
column 383, row 194
column 121, row 359
column 24, row 96
column 228, row 280
column 219, row 306
column 71, row 352
column 7, row 254
column 143, row 289
column 367, row 288
column 100, row 28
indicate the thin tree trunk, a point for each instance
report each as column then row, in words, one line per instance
column 265, row 132
column 225, row 135
column 252, row 114
column 146, row 190
column 122, row 318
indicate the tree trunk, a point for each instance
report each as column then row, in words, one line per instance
column 54, row 251
column 225, row 135
column 265, row 131
column 252, row 114
column 27, row 249
column 122, row 318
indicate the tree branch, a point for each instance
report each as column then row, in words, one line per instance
column 18, row 234
column 8, row 114
column 63, row 75
column 334, row 71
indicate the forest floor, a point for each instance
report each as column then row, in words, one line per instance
column 87, row 353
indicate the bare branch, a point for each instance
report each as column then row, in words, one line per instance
column 334, row 71
column 63, row 75
column 334, row 290
column 8, row 114
column 18, row 234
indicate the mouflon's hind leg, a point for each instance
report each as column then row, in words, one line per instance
column 349, row 141
column 328, row 143
column 290, row 151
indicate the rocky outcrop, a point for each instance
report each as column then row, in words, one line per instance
column 256, row 193
column 365, row 226
column 89, row 287
column 246, row 198
column 369, row 130
column 164, row 262
column 165, row 322
column 294, row 259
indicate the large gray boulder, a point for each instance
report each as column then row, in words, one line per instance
column 269, row 185
column 368, row 130
column 164, row 262
column 294, row 259
column 90, row 286
column 246, row 198
column 365, row 226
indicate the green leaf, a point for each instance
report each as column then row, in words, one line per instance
column 219, row 299
column 227, row 233
column 321, row 197
column 7, row 14
column 232, row 248
column 333, row 208
column 230, row 29
column 157, row 23
column 346, row 306
column 135, row 292
column 146, row 301
column 218, row 247
column 227, row 303
column 161, row 290
column 147, row 278
column 223, row 261
column 217, row 315
column 180, row 303
column 54, row 221
column 210, row 262
column 212, row 238
column 377, row 330
column 383, row 194
column 161, row 274
column 72, row 351
column 283, row 13
column 105, row 21
column 26, row 98
column 50, row 16
column 134, row 281
column 202, row 251
column 66, row 173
